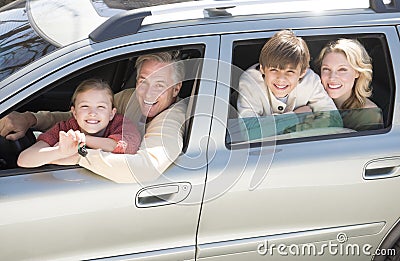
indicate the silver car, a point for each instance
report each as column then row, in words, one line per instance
column 324, row 194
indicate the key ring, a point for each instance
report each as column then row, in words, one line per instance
column 82, row 149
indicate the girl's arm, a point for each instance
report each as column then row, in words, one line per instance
column 39, row 154
column 42, row 153
column 72, row 160
column 105, row 144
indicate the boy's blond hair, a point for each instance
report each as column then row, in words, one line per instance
column 284, row 49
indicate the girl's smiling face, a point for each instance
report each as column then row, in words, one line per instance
column 93, row 111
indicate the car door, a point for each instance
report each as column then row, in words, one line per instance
column 70, row 213
column 325, row 196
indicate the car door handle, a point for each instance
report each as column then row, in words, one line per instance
column 164, row 194
column 382, row 168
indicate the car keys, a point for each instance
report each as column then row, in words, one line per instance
column 82, row 149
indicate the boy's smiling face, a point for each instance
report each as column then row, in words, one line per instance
column 282, row 81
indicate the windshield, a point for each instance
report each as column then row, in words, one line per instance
column 19, row 44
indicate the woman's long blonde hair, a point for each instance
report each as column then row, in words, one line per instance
column 360, row 61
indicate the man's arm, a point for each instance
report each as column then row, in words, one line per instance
column 14, row 125
column 47, row 119
column 161, row 145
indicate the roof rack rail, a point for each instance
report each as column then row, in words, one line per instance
column 380, row 7
column 115, row 26
column 118, row 25
column 217, row 11
column 130, row 22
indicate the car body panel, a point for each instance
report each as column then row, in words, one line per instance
column 305, row 188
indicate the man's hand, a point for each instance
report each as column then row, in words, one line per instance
column 14, row 125
column 69, row 141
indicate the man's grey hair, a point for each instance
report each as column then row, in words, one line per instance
column 164, row 57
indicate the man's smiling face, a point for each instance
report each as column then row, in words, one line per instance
column 156, row 88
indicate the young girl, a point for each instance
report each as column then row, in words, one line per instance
column 94, row 123
column 346, row 73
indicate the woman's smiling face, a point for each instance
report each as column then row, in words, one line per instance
column 337, row 76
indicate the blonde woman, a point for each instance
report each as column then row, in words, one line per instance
column 346, row 74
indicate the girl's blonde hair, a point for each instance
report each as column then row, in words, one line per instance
column 93, row 84
column 360, row 61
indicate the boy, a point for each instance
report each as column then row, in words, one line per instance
column 284, row 78
column 283, row 75
column 94, row 123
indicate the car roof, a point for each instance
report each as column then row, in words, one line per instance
column 63, row 22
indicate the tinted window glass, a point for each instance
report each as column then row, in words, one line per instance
column 19, row 44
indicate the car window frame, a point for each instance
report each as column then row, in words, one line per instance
column 86, row 64
column 387, row 31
